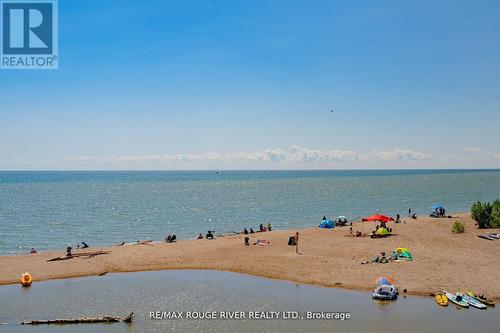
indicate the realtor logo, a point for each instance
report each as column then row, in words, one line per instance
column 29, row 34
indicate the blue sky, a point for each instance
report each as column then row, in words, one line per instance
column 250, row 85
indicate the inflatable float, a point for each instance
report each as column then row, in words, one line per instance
column 385, row 292
column 26, row 279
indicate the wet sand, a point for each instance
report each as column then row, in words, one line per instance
column 443, row 260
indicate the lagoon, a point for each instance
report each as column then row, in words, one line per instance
column 206, row 291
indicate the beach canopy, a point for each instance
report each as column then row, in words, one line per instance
column 434, row 207
column 403, row 253
column 377, row 217
column 381, row 231
column 384, row 280
column 328, row 224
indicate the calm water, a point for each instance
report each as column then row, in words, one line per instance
column 120, row 294
column 51, row 209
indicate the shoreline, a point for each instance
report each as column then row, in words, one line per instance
column 328, row 259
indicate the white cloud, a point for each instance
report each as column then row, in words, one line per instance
column 294, row 154
column 80, row 158
column 398, row 154
column 482, row 152
column 476, row 150
column 300, row 154
column 267, row 155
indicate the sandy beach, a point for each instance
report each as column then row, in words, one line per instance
column 328, row 258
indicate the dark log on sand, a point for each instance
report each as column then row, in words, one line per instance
column 80, row 254
column 144, row 242
column 83, row 320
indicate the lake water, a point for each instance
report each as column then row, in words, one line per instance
column 48, row 210
column 145, row 292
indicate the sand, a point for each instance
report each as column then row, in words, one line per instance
column 443, row 260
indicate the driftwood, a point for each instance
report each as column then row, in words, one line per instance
column 145, row 242
column 83, row 320
column 87, row 255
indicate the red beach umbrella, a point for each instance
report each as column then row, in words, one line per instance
column 377, row 217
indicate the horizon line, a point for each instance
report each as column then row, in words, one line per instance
column 218, row 170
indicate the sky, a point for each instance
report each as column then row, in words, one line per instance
column 213, row 84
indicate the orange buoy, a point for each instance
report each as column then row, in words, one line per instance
column 26, row 279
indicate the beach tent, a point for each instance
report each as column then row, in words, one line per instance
column 328, row 224
column 403, row 253
column 382, row 231
column 384, row 280
column 377, row 217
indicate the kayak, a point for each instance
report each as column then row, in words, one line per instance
column 457, row 299
column 472, row 301
column 481, row 298
column 441, row 299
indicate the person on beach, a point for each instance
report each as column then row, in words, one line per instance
column 168, row 239
column 210, row 234
column 200, row 236
column 68, row 251
column 247, row 241
column 409, row 212
column 84, row 245
column 245, row 231
column 350, row 232
column 297, row 242
column 33, row 250
column 324, row 217
column 398, row 219
column 251, row 231
column 269, row 226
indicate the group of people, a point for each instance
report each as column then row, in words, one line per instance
column 262, row 228
column 210, row 235
column 380, row 259
column 355, row 234
column 170, row 238
column 341, row 221
column 439, row 212
column 69, row 248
